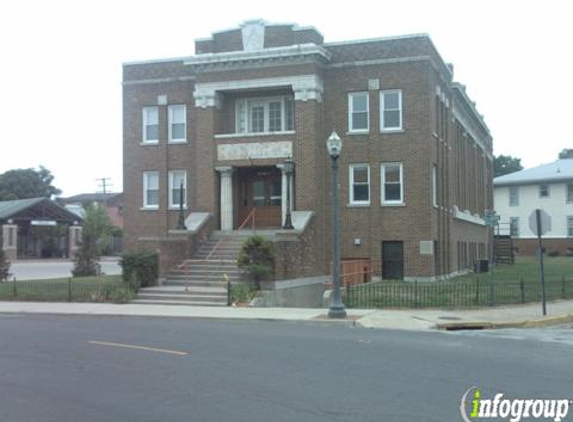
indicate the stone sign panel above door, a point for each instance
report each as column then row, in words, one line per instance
column 254, row 150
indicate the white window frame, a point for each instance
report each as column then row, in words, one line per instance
column 435, row 185
column 351, row 128
column 144, row 125
column 514, row 196
column 383, row 184
column 569, row 225
column 243, row 113
column 511, row 226
column 170, row 121
column 569, row 193
column 548, row 190
column 351, row 168
column 171, row 178
column 383, row 127
column 146, row 204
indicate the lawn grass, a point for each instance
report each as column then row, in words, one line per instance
column 509, row 284
column 526, row 269
column 80, row 289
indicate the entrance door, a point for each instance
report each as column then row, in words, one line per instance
column 263, row 191
column 393, row 260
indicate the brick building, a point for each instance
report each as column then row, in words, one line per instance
column 416, row 163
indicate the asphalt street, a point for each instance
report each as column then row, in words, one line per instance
column 86, row 368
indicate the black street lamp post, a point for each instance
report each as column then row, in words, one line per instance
column 289, row 170
column 336, row 309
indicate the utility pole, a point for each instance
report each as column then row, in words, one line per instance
column 104, row 184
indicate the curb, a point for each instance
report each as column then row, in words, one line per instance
column 488, row 325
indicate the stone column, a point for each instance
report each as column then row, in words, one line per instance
column 284, row 193
column 226, row 197
column 10, row 241
column 74, row 239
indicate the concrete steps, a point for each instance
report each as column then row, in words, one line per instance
column 201, row 280
column 179, row 295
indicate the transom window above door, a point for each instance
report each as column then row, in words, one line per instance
column 264, row 115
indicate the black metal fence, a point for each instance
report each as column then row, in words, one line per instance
column 465, row 294
column 70, row 290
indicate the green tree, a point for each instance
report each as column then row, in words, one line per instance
column 4, row 266
column 258, row 258
column 506, row 164
column 97, row 226
column 27, row 183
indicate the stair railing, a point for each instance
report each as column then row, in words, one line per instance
column 251, row 216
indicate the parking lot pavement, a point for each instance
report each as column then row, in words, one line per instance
column 49, row 268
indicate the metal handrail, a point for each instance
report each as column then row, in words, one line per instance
column 252, row 215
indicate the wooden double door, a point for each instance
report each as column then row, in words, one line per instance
column 261, row 191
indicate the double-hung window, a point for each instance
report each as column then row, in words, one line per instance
column 177, row 188
column 392, row 183
column 359, row 179
column 569, row 193
column 264, row 115
column 151, row 189
column 177, row 123
column 570, row 226
column 514, row 226
column 513, row 196
column 544, row 191
column 150, row 127
column 358, row 112
column 391, row 110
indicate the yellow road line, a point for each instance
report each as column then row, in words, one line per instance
column 133, row 346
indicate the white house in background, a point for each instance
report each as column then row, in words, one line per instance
column 548, row 187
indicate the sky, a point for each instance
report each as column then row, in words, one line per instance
column 61, row 68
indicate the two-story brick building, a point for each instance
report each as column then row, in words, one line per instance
column 416, row 163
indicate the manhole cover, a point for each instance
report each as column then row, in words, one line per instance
column 450, row 318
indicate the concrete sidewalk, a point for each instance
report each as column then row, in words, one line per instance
column 411, row 319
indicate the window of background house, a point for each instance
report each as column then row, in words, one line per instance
column 514, row 196
column 150, row 125
column 177, row 177
column 392, row 183
column 570, row 193
column 151, row 189
column 358, row 109
column 177, row 123
column 391, row 110
column 544, row 191
column 514, row 226
column 359, row 184
column 570, row 226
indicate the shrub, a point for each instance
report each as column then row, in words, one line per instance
column 553, row 253
column 122, row 295
column 242, row 292
column 4, row 266
column 258, row 258
column 140, row 269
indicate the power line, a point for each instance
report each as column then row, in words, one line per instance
column 104, row 184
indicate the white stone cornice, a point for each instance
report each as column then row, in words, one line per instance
column 226, row 59
column 305, row 87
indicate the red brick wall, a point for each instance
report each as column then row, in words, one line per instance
column 418, row 147
column 528, row 247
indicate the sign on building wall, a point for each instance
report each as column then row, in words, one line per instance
column 254, row 150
